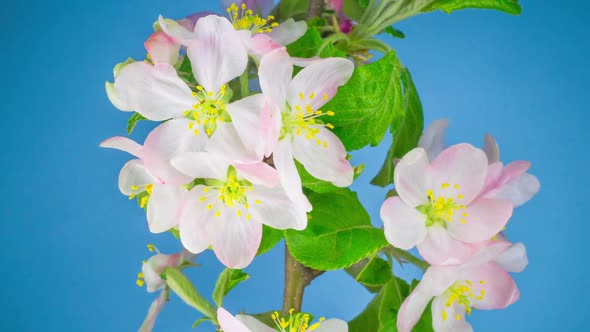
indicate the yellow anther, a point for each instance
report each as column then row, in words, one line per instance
column 149, row 188
column 444, row 315
column 139, row 282
column 151, row 247
column 301, row 95
column 218, row 213
column 257, row 201
column 191, row 125
column 200, row 88
column 209, row 207
column 325, row 145
column 239, row 213
column 203, row 198
column 463, row 221
column 311, row 95
column 134, row 187
column 456, row 186
column 458, row 317
column 140, row 275
column 482, row 282
column 445, row 185
column 460, row 196
column 308, row 109
column 319, row 112
column 329, row 125
column 325, row 96
column 248, row 216
column 330, row 113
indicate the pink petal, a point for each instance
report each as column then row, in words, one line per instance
column 260, row 45
column 290, row 180
column 201, row 165
column 324, row 157
column 164, row 143
column 499, row 288
column 156, row 92
column 288, row 31
column 164, row 207
column 411, row 310
column 227, row 142
column 235, row 240
column 494, row 173
column 123, row 144
column 451, row 323
column 275, row 72
column 230, row 323
column 462, row 165
column 433, row 138
column 404, row 226
column 217, row 54
column 439, row 248
column 410, row 178
column 484, row 219
column 153, row 312
column 491, row 149
column 259, row 173
column 162, row 48
column 273, row 207
column 197, row 222
column 153, row 268
column 320, row 80
column 176, row 31
column 132, row 175
column 514, row 259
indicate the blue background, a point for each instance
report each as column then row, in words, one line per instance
column 72, row 244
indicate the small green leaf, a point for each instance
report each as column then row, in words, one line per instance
column 201, row 320
column 376, row 273
column 132, row 122
column 406, row 128
column 270, row 237
column 310, row 44
column 366, row 105
column 339, row 232
column 175, row 232
column 228, row 279
column 368, row 320
column 295, row 9
column 394, row 294
column 319, row 186
column 390, row 30
column 183, row 287
column 449, row 6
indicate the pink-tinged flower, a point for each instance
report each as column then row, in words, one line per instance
column 190, row 21
column 295, row 120
column 228, row 209
column 294, row 322
column 510, row 182
column 344, row 22
column 260, row 35
column 151, row 178
column 479, row 283
column 438, row 210
column 150, row 276
column 262, row 7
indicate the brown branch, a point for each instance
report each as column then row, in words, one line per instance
column 314, row 9
column 297, row 277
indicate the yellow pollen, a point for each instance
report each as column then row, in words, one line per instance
column 196, row 132
column 311, row 95
column 217, row 214
column 329, row 125
column 191, row 125
column 239, row 213
column 206, row 189
column 456, row 186
column 209, row 207
column 325, row 97
column 200, row 88
column 139, row 282
column 458, row 317
column 444, row 315
column 482, row 282
column 257, row 201
column 445, row 185
column 325, row 145
column 151, row 247
column 134, row 187
column 140, row 275
column 460, row 196
column 248, row 216
column 301, row 95
column 203, row 198
column 330, row 113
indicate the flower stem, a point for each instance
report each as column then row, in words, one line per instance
column 314, row 9
column 244, row 88
column 297, row 277
column 406, row 256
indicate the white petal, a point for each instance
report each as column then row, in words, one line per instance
column 275, row 73
column 320, row 80
column 201, row 165
column 290, row 180
column 217, row 54
column 114, row 98
column 156, row 92
column 433, row 138
column 175, row 30
column 324, row 157
column 439, row 248
column 123, row 144
column 197, row 222
column 227, row 142
column 519, row 191
column 288, row 32
column 253, row 324
column 333, row 325
column 230, row 323
column 275, row 209
column 410, row 177
column 132, row 175
column 258, row 173
column 514, row 259
column 451, row 323
column 235, row 240
column 404, row 226
column 164, row 207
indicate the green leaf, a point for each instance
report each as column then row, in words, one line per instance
column 201, row 320
column 183, row 287
column 449, row 6
column 338, row 234
column 292, row 8
column 228, row 279
column 406, row 128
column 319, row 186
column 376, row 273
column 185, row 70
column 310, row 44
column 368, row 103
column 394, row 294
column 270, row 237
column 390, row 30
column 368, row 320
column 132, row 122
column 354, row 9
column 175, row 232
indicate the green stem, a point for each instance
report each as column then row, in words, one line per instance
column 297, row 277
column 244, row 88
column 406, row 256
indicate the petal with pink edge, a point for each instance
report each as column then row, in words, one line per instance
column 288, row 32
column 202, row 165
column 249, row 118
column 433, row 138
column 235, row 240
column 440, row 248
column 324, row 157
column 153, row 312
column 494, row 173
column 462, row 166
column 133, row 178
column 320, row 81
column 273, row 207
column 514, row 259
column 260, row 45
column 275, row 72
column 227, row 143
column 197, row 221
column 519, row 191
column 290, row 180
column 123, row 144
column 156, row 92
column 481, row 220
column 217, row 54
column 230, row 323
column 404, row 226
column 410, row 177
column 493, row 287
column 164, row 207
column 449, row 319
column 258, row 173
column 175, row 30
column 162, row 48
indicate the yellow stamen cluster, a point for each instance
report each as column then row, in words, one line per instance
column 295, row 323
column 232, row 193
column 208, row 110
column 245, row 19
column 463, row 295
column 144, row 195
column 140, row 277
column 305, row 120
column 443, row 209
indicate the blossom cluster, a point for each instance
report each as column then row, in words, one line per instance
column 453, row 204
